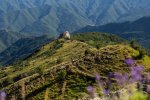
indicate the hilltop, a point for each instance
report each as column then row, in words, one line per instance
column 64, row 68
column 51, row 17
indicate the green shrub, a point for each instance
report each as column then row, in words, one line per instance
column 89, row 52
column 142, row 51
column 97, row 39
column 39, row 70
column 59, row 60
column 134, row 44
column 62, row 75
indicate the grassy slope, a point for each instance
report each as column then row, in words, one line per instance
column 62, row 69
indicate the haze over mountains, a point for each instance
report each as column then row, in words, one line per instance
column 40, row 17
column 54, row 16
column 8, row 37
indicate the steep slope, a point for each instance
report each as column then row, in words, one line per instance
column 138, row 30
column 22, row 48
column 26, row 46
column 63, row 69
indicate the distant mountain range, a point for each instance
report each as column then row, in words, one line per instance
column 55, row 16
column 8, row 37
column 20, row 18
column 138, row 30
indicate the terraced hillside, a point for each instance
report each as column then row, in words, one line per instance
column 62, row 69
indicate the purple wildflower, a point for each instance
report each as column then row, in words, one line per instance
column 136, row 73
column 129, row 62
column 90, row 89
column 91, row 92
column 97, row 77
column 139, row 69
column 121, row 78
column 117, row 76
column 131, row 80
column 106, row 91
column 111, row 75
column 2, row 95
column 124, row 79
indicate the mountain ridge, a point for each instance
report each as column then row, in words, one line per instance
column 52, row 17
column 31, row 15
column 138, row 30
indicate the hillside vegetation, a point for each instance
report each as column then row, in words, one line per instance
column 22, row 48
column 62, row 69
column 138, row 30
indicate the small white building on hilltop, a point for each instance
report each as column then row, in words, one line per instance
column 66, row 35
